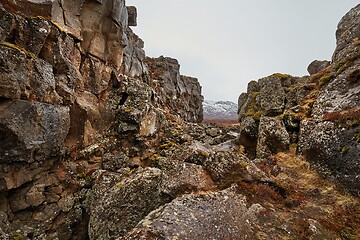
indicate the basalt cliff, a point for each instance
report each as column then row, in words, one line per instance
column 99, row 141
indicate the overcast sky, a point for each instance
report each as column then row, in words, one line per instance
column 226, row 44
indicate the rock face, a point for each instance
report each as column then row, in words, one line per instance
column 97, row 141
column 76, row 97
column 176, row 92
column 317, row 66
column 185, row 218
column 319, row 113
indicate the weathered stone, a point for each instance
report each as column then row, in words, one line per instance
column 193, row 99
column 273, row 137
column 317, row 66
column 103, row 30
column 31, row 131
column 120, row 200
column 132, row 15
column 347, row 37
column 25, row 77
column 28, row 34
column 180, row 94
column 272, row 95
column 133, row 102
column 115, row 161
column 96, row 75
column 35, row 196
column 342, row 93
column 30, row 8
column 249, row 134
column 334, row 150
column 253, row 86
column 185, row 178
column 219, row 215
column 243, row 104
column 134, row 56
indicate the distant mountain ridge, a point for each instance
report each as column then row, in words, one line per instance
column 220, row 110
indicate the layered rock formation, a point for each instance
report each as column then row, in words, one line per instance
column 97, row 141
column 75, row 96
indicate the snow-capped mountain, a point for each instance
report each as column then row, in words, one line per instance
column 222, row 110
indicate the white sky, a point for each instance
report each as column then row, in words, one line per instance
column 226, row 44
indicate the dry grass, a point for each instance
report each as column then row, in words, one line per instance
column 344, row 115
column 333, row 208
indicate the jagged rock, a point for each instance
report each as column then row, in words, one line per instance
column 244, row 101
column 335, row 150
column 342, row 93
column 4, row 224
column 249, row 134
column 317, row 66
column 32, row 131
column 186, row 177
column 30, row 7
column 134, row 56
column 96, row 75
column 87, row 103
column 23, row 77
column 104, row 33
column 115, row 161
column 273, row 137
column 135, row 111
column 132, row 13
column 180, row 94
column 253, row 86
column 90, row 101
column 219, row 215
column 347, row 37
column 272, row 95
column 33, row 35
column 121, row 200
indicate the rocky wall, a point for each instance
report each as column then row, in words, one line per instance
column 320, row 113
column 75, row 97
column 180, row 94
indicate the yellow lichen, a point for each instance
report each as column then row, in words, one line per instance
column 257, row 116
column 357, row 137
column 203, row 153
column 243, row 164
column 251, row 107
column 55, row 24
column 120, row 185
column 282, row 75
column 13, row 46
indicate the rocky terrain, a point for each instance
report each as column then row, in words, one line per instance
column 220, row 111
column 98, row 141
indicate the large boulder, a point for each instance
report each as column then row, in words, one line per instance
column 32, row 131
column 334, row 150
column 24, row 77
column 121, row 200
column 215, row 215
column 347, row 37
column 273, row 137
column 317, row 66
column 272, row 95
